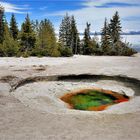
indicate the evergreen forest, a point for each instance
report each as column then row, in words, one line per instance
column 38, row 38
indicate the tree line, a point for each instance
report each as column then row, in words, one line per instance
column 37, row 38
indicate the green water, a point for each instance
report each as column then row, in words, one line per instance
column 83, row 101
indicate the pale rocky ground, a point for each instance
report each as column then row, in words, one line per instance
column 31, row 112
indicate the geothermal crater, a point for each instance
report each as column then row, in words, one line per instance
column 75, row 93
column 93, row 99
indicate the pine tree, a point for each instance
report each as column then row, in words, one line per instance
column 47, row 38
column 65, row 32
column 2, row 20
column 105, row 39
column 9, row 46
column 75, row 40
column 13, row 27
column 35, row 25
column 96, row 50
column 118, row 47
column 115, row 28
column 96, row 38
column 27, row 36
column 87, row 40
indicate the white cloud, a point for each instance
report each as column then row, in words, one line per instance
column 96, row 16
column 92, row 3
column 43, row 8
column 11, row 8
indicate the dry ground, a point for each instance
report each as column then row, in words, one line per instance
column 21, row 122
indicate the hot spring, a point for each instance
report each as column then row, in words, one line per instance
column 93, row 99
column 84, row 94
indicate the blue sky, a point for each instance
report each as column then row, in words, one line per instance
column 93, row 11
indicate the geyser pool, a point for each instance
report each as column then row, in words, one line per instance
column 93, row 99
